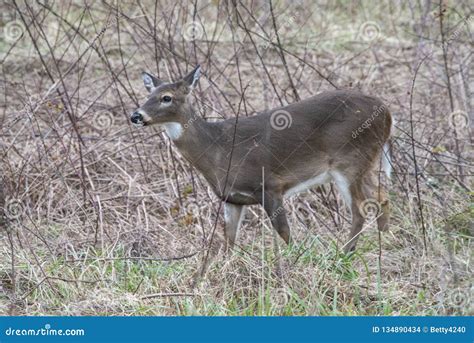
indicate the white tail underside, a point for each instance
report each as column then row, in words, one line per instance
column 386, row 157
column 387, row 160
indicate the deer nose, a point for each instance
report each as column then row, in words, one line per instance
column 136, row 117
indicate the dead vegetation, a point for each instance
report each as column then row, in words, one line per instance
column 100, row 218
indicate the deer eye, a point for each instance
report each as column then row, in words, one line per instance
column 166, row 98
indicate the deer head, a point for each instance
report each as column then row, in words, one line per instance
column 167, row 102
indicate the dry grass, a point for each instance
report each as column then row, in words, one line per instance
column 102, row 218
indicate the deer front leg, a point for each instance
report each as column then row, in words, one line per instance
column 276, row 212
column 233, row 215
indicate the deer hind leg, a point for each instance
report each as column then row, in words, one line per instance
column 357, row 195
column 376, row 194
column 368, row 197
column 276, row 212
column 352, row 194
column 233, row 215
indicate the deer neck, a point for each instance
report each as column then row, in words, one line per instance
column 194, row 137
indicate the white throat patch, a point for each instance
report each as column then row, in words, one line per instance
column 173, row 130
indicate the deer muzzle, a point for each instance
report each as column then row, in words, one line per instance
column 137, row 118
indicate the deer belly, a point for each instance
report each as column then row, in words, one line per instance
column 320, row 179
column 241, row 198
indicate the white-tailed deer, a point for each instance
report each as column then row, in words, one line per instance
column 337, row 136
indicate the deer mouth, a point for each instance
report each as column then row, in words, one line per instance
column 139, row 123
column 137, row 119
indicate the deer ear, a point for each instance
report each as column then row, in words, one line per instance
column 193, row 77
column 150, row 81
